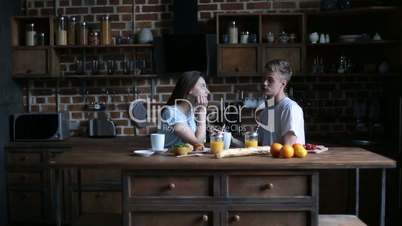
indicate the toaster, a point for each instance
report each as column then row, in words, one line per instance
column 39, row 126
column 101, row 127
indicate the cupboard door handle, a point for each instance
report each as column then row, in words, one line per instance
column 23, row 158
column 268, row 186
column 172, row 186
column 23, row 178
column 205, row 218
column 236, row 218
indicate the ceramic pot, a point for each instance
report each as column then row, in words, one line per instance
column 145, row 36
column 314, row 37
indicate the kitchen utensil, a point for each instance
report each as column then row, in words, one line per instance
column 157, row 141
column 144, row 153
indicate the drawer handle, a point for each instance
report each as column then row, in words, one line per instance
column 24, row 177
column 99, row 195
column 236, row 218
column 25, row 196
column 268, row 186
column 237, row 69
column 205, row 218
column 23, row 158
column 172, row 186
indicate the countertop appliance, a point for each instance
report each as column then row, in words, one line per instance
column 39, row 126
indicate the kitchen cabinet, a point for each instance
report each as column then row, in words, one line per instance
column 223, row 198
column 48, row 60
column 28, row 183
column 354, row 46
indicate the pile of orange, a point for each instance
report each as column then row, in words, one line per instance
column 288, row 151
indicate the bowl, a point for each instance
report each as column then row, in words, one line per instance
column 144, row 153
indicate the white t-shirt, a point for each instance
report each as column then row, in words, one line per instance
column 172, row 115
column 275, row 121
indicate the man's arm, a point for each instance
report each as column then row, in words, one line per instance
column 289, row 138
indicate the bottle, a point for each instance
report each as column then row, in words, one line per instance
column 71, row 31
column 233, row 33
column 106, row 35
column 30, row 35
column 61, row 33
column 83, row 34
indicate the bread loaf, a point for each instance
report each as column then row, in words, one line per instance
column 235, row 152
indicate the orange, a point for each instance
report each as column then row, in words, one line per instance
column 287, row 151
column 300, row 151
column 276, row 150
column 297, row 145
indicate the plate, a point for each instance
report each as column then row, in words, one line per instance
column 144, row 153
column 160, row 151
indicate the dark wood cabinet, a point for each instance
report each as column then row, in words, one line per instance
column 229, row 198
column 353, row 47
column 28, row 184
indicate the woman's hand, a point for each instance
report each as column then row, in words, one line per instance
column 202, row 100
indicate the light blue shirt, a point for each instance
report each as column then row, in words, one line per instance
column 172, row 115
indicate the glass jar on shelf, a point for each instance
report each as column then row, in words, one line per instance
column 106, row 34
column 61, row 32
column 93, row 38
column 71, row 31
column 251, row 140
column 83, row 34
column 30, row 34
column 216, row 143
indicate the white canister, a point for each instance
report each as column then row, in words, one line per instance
column 145, row 36
column 233, row 34
column 314, row 37
column 30, row 35
column 244, row 38
column 322, row 39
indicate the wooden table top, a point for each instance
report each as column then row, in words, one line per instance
column 117, row 153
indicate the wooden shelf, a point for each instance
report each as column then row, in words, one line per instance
column 31, row 47
column 240, row 45
column 355, row 11
column 109, row 76
column 282, row 45
column 104, row 46
column 336, row 220
column 342, row 75
column 357, row 43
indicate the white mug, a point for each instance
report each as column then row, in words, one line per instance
column 157, row 141
column 227, row 139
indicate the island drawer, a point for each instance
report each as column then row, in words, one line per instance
column 176, row 218
column 184, row 186
column 258, row 218
column 26, row 158
column 24, row 178
column 269, row 185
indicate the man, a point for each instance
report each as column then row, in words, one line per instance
column 282, row 120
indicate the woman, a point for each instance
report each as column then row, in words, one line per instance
column 184, row 116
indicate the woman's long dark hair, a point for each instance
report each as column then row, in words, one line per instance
column 183, row 85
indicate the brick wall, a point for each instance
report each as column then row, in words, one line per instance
column 327, row 101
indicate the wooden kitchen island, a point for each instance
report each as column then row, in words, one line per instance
column 253, row 191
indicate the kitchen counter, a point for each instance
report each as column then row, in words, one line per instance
column 165, row 190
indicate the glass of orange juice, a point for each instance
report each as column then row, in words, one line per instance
column 216, row 143
column 251, row 140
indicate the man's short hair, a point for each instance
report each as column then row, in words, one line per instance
column 280, row 66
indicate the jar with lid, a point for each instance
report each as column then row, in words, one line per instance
column 83, row 34
column 71, row 31
column 61, row 32
column 30, row 34
column 251, row 140
column 216, row 143
column 106, row 34
column 93, row 38
column 233, row 33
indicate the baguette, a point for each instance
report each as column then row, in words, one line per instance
column 236, row 152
